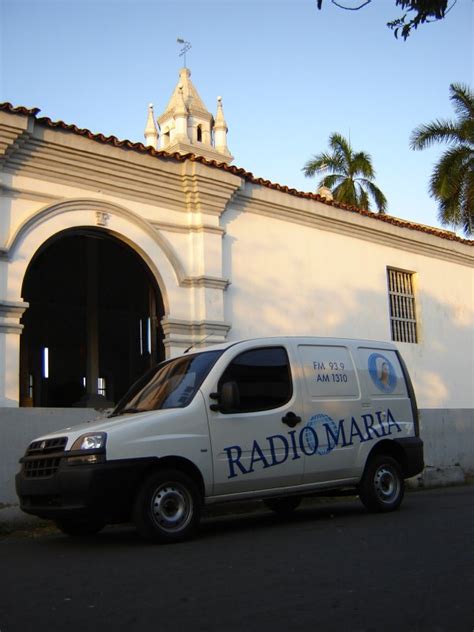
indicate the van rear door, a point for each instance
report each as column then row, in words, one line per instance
column 332, row 399
column 390, row 404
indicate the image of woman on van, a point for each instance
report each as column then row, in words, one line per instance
column 384, row 375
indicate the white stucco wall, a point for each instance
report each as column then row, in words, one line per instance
column 289, row 278
column 286, row 277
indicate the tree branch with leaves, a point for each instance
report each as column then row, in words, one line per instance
column 452, row 180
column 417, row 12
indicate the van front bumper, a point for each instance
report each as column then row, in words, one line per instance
column 103, row 491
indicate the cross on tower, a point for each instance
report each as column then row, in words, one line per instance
column 184, row 50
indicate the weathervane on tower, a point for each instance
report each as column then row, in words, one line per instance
column 184, row 50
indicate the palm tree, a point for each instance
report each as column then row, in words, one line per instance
column 351, row 174
column 452, row 181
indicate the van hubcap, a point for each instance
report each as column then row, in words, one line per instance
column 387, row 485
column 171, row 507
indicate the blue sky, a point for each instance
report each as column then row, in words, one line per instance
column 289, row 75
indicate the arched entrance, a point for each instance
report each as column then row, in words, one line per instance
column 93, row 324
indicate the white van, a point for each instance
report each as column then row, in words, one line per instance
column 271, row 418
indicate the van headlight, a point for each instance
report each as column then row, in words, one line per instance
column 92, row 446
column 90, row 441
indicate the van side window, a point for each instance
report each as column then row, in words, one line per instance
column 262, row 378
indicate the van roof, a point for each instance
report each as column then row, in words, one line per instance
column 270, row 340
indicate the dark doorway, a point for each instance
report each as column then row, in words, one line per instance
column 93, row 324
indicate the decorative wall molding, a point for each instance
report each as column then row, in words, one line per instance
column 102, row 218
column 114, row 171
column 156, row 180
column 105, row 209
column 183, row 333
column 193, row 327
column 334, row 220
column 10, row 309
column 9, row 328
column 27, row 194
column 214, row 283
column 10, row 314
column 208, row 191
column 186, row 229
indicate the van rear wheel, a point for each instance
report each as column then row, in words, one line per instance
column 382, row 486
column 167, row 507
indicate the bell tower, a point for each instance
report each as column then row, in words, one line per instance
column 186, row 126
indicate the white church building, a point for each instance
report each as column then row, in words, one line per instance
column 115, row 255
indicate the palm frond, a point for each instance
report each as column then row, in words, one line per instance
column 435, row 132
column 362, row 165
column 466, row 131
column 450, row 170
column 467, row 210
column 321, row 162
column 452, row 186
column 346, row 193
column 463, row 100
column 363, row 198
column 331, row 180
column 468, row 206
column 452, row 180
column 339, row 142
column 379, row 198
column 449, row 213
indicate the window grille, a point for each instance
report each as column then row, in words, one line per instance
column 402, row 306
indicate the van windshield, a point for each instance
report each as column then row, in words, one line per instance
column 171, row 384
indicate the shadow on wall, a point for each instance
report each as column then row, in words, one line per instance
column 448, row 436
column 285, row 296
column 440, row 364
column 19, row 426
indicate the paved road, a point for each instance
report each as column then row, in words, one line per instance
column 330, row 567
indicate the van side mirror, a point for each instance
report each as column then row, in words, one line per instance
column 228, row 398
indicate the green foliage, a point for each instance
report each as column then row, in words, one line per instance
column 452, row 181
column 417, row 12
column 350, row 177
column 424, row 11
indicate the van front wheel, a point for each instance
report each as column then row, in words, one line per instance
column 382, row 486
column 167, row 507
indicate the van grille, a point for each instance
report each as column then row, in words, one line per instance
column 41, row 468
column 46, row 446
column 43, row 457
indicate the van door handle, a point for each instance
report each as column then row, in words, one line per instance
column 290, row 419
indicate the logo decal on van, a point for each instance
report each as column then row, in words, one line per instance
column 382, row 373
column 312, row 424
column 307, row 442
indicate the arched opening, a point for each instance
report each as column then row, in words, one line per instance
column 199, row 134
column 93, row 324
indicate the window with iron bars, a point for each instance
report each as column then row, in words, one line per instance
column 402, row 305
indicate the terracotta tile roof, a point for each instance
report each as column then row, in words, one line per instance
column 247, row 175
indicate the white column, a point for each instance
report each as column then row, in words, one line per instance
column 10, row 330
